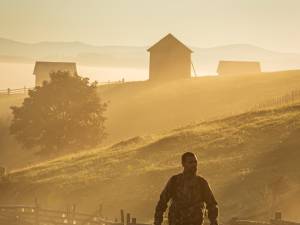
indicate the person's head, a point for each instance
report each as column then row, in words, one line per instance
column 189, row 162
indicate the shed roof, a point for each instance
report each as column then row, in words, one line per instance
column 167, row 41
column 238, row 67
column 42, row 66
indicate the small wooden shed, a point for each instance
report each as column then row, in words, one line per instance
column 42, row 70
column 169, row 59
column 238, row 67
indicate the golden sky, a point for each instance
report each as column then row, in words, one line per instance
column 271, row 24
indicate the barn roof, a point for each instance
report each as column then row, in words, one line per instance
column 239, row 67
column 168, row 40
column 54, row 66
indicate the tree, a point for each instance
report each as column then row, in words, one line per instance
column 64, row 113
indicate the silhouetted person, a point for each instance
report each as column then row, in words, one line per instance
column 189, row 194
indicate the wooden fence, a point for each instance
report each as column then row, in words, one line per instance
column 10, row 91
column 277, row 220
column 24, row 90
column 111, row 82
column 36, row 215
column 289, row 98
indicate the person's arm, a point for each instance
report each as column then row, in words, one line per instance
column 211, row 205
column 163, row 203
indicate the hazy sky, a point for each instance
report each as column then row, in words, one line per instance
column 272, row 24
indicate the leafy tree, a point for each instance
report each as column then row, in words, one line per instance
column 64, row 113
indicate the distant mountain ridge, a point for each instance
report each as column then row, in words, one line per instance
column 205, row 60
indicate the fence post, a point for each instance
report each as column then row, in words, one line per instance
column 2, row 172
column 73, row 213
column 18, row 219
column 133, row 221
column 128, row 218
column 278, row 216
column 68, row 214
column 100, row 209
column 122, row 217
column 36, row 211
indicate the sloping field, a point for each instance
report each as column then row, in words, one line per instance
column 251, row 161
column 9, row 148
column 140, row 108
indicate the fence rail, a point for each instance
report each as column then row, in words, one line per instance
column 111, row 82
column 10, row 91
column 289, row 98
column 24, row 90
column 36, row 215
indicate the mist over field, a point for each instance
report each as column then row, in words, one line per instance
column 112, row 63
column 18, row 75
column 229, row 121
column 190, row 114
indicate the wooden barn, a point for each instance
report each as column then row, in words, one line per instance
column 238, row 67
column 169, row 59
column 42, row 70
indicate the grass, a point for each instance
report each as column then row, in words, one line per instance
column 241, row 153
column 240, row 156
column 141, row 108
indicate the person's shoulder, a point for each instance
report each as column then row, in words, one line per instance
column 175, row 178
column 178, row 175
column 201, row 179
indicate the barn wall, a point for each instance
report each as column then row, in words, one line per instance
column 166, row 65
column 45, row 75
column 40, row 78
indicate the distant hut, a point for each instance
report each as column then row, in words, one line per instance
column 238, row 67
column 169, row 59
column 43, row 69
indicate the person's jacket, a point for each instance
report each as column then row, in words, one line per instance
column 189, row 195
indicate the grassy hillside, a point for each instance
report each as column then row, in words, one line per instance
column 141, row 108
column 9, row 148
column 251, row 161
